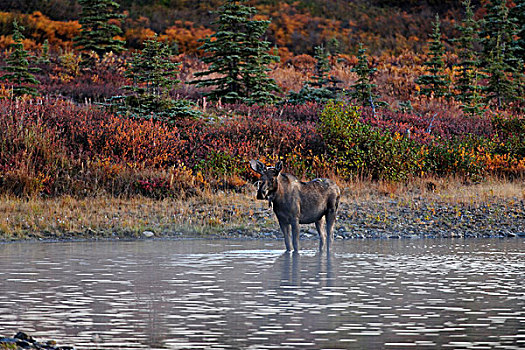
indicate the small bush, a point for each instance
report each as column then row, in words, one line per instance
column 358, row 148
column 511, row 134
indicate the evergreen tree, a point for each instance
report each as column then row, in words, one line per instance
column 518, row 12
column 504, row 68
column 518, row 15
column 322, row 68
column 98, row 33
column 238, row 55
column 152, row 70
column 474, row 104
column 19, row 73
column 321, row 79
column 321, row 87
column 259, row 86
column 435, row 83
column 44, row 55
column 501, row 86
column 334, row 46
column 362, row 90
column 154, row 76
column 468, row 82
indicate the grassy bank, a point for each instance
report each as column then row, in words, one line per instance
column 109, row 217
column 424, row 207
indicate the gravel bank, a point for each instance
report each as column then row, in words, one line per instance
column 238, row 215
column 419, row 218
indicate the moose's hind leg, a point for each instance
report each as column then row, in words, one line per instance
column 330, row 222
column 320, row 226
column 331, row 213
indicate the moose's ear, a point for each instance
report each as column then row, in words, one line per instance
column 279, row 166
column 258, row 166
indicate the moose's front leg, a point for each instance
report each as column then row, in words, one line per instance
column 285, row 229
column 295, row 235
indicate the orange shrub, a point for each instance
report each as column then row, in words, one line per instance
column 39, row 27
column 186, row 35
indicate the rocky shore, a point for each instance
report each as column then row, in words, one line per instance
column 393, row 218
column 22, row 341
column 491, row 210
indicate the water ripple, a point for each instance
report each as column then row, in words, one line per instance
column 249, row 294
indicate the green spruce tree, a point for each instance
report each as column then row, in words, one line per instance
column 504, row 68
column 468, row 80
column 501, row 86
column 334, row 46
column 321, row 78
column 238, row 57
column 474, row 105
column 44, row 54
column 261, row 89
column 518, row 12
column 19, row 74
column 322, row 87
column 435, row 83
column 363, row 90
column 322, row 68
column 153, row 76
column 152, row 70
column 98, row 33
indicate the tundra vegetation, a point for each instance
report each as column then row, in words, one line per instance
column 162, row 109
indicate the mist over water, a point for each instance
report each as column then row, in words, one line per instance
column 224, row 294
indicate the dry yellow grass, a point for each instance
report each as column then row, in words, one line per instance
column 106, row 216
column 211, row 212
column 446, row 190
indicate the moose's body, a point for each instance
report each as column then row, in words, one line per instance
column 295, row 202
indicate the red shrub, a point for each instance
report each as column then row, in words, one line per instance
column 226, row 147
column 423, row 128
column 308, row 112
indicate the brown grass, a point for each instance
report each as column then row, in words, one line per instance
column 213, row 212
column 68, row 217
column 433, row 189
column 486, row 191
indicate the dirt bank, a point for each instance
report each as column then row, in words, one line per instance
column 424, row 209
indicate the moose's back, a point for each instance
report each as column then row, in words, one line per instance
column 317, row 197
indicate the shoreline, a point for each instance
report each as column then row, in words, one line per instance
column 241, row 238
column 366, row 212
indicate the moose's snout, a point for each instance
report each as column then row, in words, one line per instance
column 262, row 193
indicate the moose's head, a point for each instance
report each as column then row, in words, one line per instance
column 268, row 181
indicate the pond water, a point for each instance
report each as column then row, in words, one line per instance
column 224, row 294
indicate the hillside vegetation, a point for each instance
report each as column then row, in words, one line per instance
column 298, row 26
column 93, row 127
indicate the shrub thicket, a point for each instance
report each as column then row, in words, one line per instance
column 61, row 145
column 56, row 147
column 357, row 148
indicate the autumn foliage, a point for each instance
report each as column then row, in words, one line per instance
column 70, row 142
column 55, row 147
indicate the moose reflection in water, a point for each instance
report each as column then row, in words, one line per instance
column 291, row 264
column 295, row 202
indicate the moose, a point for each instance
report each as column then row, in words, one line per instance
column 296, row 202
